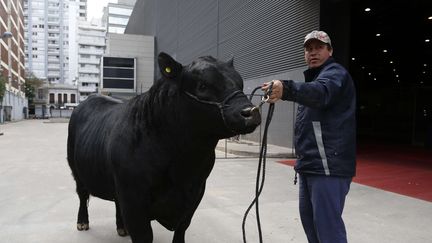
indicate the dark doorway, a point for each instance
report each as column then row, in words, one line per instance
column 390, row 60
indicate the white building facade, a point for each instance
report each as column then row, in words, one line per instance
column 82, row 8
column 91, row 47
column 47, row 38
column 116, row 15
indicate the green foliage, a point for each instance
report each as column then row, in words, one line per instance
column 2, row 87
column 30, row 87
column 29, row 92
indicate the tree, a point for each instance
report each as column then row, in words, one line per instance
column 32, row 83
column 2, row 93
column 2, row 88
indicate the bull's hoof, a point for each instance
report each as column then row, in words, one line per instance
column 122, row 232
column 83, row 226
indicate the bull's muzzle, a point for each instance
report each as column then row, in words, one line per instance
column 252, row 114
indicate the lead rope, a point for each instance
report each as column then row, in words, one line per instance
column 261, row 165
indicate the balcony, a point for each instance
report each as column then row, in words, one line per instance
column 89, row 60
column 89, row 70
column 87, row 89
column 91, row 51
column 53, row 60
column 92, row 41
column 53, row 68
column 53, row 46
column 53, row 74
column 89, row 80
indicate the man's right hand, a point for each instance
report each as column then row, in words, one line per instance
column 277, row 90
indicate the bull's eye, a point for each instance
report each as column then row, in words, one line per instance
column 202, row 87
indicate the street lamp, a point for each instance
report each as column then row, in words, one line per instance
column 5, row 35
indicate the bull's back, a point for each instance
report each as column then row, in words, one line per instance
column 89, row 133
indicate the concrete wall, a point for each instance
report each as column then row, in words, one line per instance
column 12, row 108
column 135, row 46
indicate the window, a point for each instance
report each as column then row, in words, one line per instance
column 40, row 94
column 73, row 99
column 59, row 98
column 118, row 30
column 118, row 73
column 117, row 20
column 51, row 98
column 65, row 99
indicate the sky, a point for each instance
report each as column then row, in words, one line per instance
column 95, row 8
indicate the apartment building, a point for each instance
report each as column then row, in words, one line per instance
column 12, row 68
column 49, row 26
column 91, row 47
column 116, row 15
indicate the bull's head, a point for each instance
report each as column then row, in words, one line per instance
column 212, row 93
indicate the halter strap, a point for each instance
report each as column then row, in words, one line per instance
column 220, row 105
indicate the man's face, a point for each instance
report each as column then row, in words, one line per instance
column 316, row 53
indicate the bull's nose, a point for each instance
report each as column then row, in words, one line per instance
column 252, row 113
column 247, row 112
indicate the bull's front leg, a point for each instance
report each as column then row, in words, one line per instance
column 134, row 207
column 121, row 229
column 179, row 234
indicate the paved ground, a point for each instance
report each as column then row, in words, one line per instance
column 38, row 202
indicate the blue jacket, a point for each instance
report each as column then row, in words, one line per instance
column 325, row 129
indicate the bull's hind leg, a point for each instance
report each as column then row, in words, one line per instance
column 121, row 229
column 83, row 221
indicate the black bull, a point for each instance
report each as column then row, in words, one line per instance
column 153, row 154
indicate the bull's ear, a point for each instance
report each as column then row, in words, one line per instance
column 168, row 66
column 231, row 62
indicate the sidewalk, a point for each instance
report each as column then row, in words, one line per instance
column 38, row 202
column 244, row 148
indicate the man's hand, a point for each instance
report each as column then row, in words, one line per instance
column 277, row 90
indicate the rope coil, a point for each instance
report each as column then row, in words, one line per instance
column 260, row 178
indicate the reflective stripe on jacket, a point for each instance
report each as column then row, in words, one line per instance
column 325, row 129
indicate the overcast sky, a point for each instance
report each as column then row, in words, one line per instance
column 95, row 8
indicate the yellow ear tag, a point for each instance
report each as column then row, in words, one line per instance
column 168, row 70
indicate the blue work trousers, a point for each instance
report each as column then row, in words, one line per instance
column 321, row 203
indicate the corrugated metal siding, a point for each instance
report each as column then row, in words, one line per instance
column 198, row 21
column 166, row 26
column 264, row 37
column 142, row 20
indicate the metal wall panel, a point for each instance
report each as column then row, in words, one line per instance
column 142, row 20
column 264, row 37
column 198, row 21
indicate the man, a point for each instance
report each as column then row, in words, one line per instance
column 325, row 138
